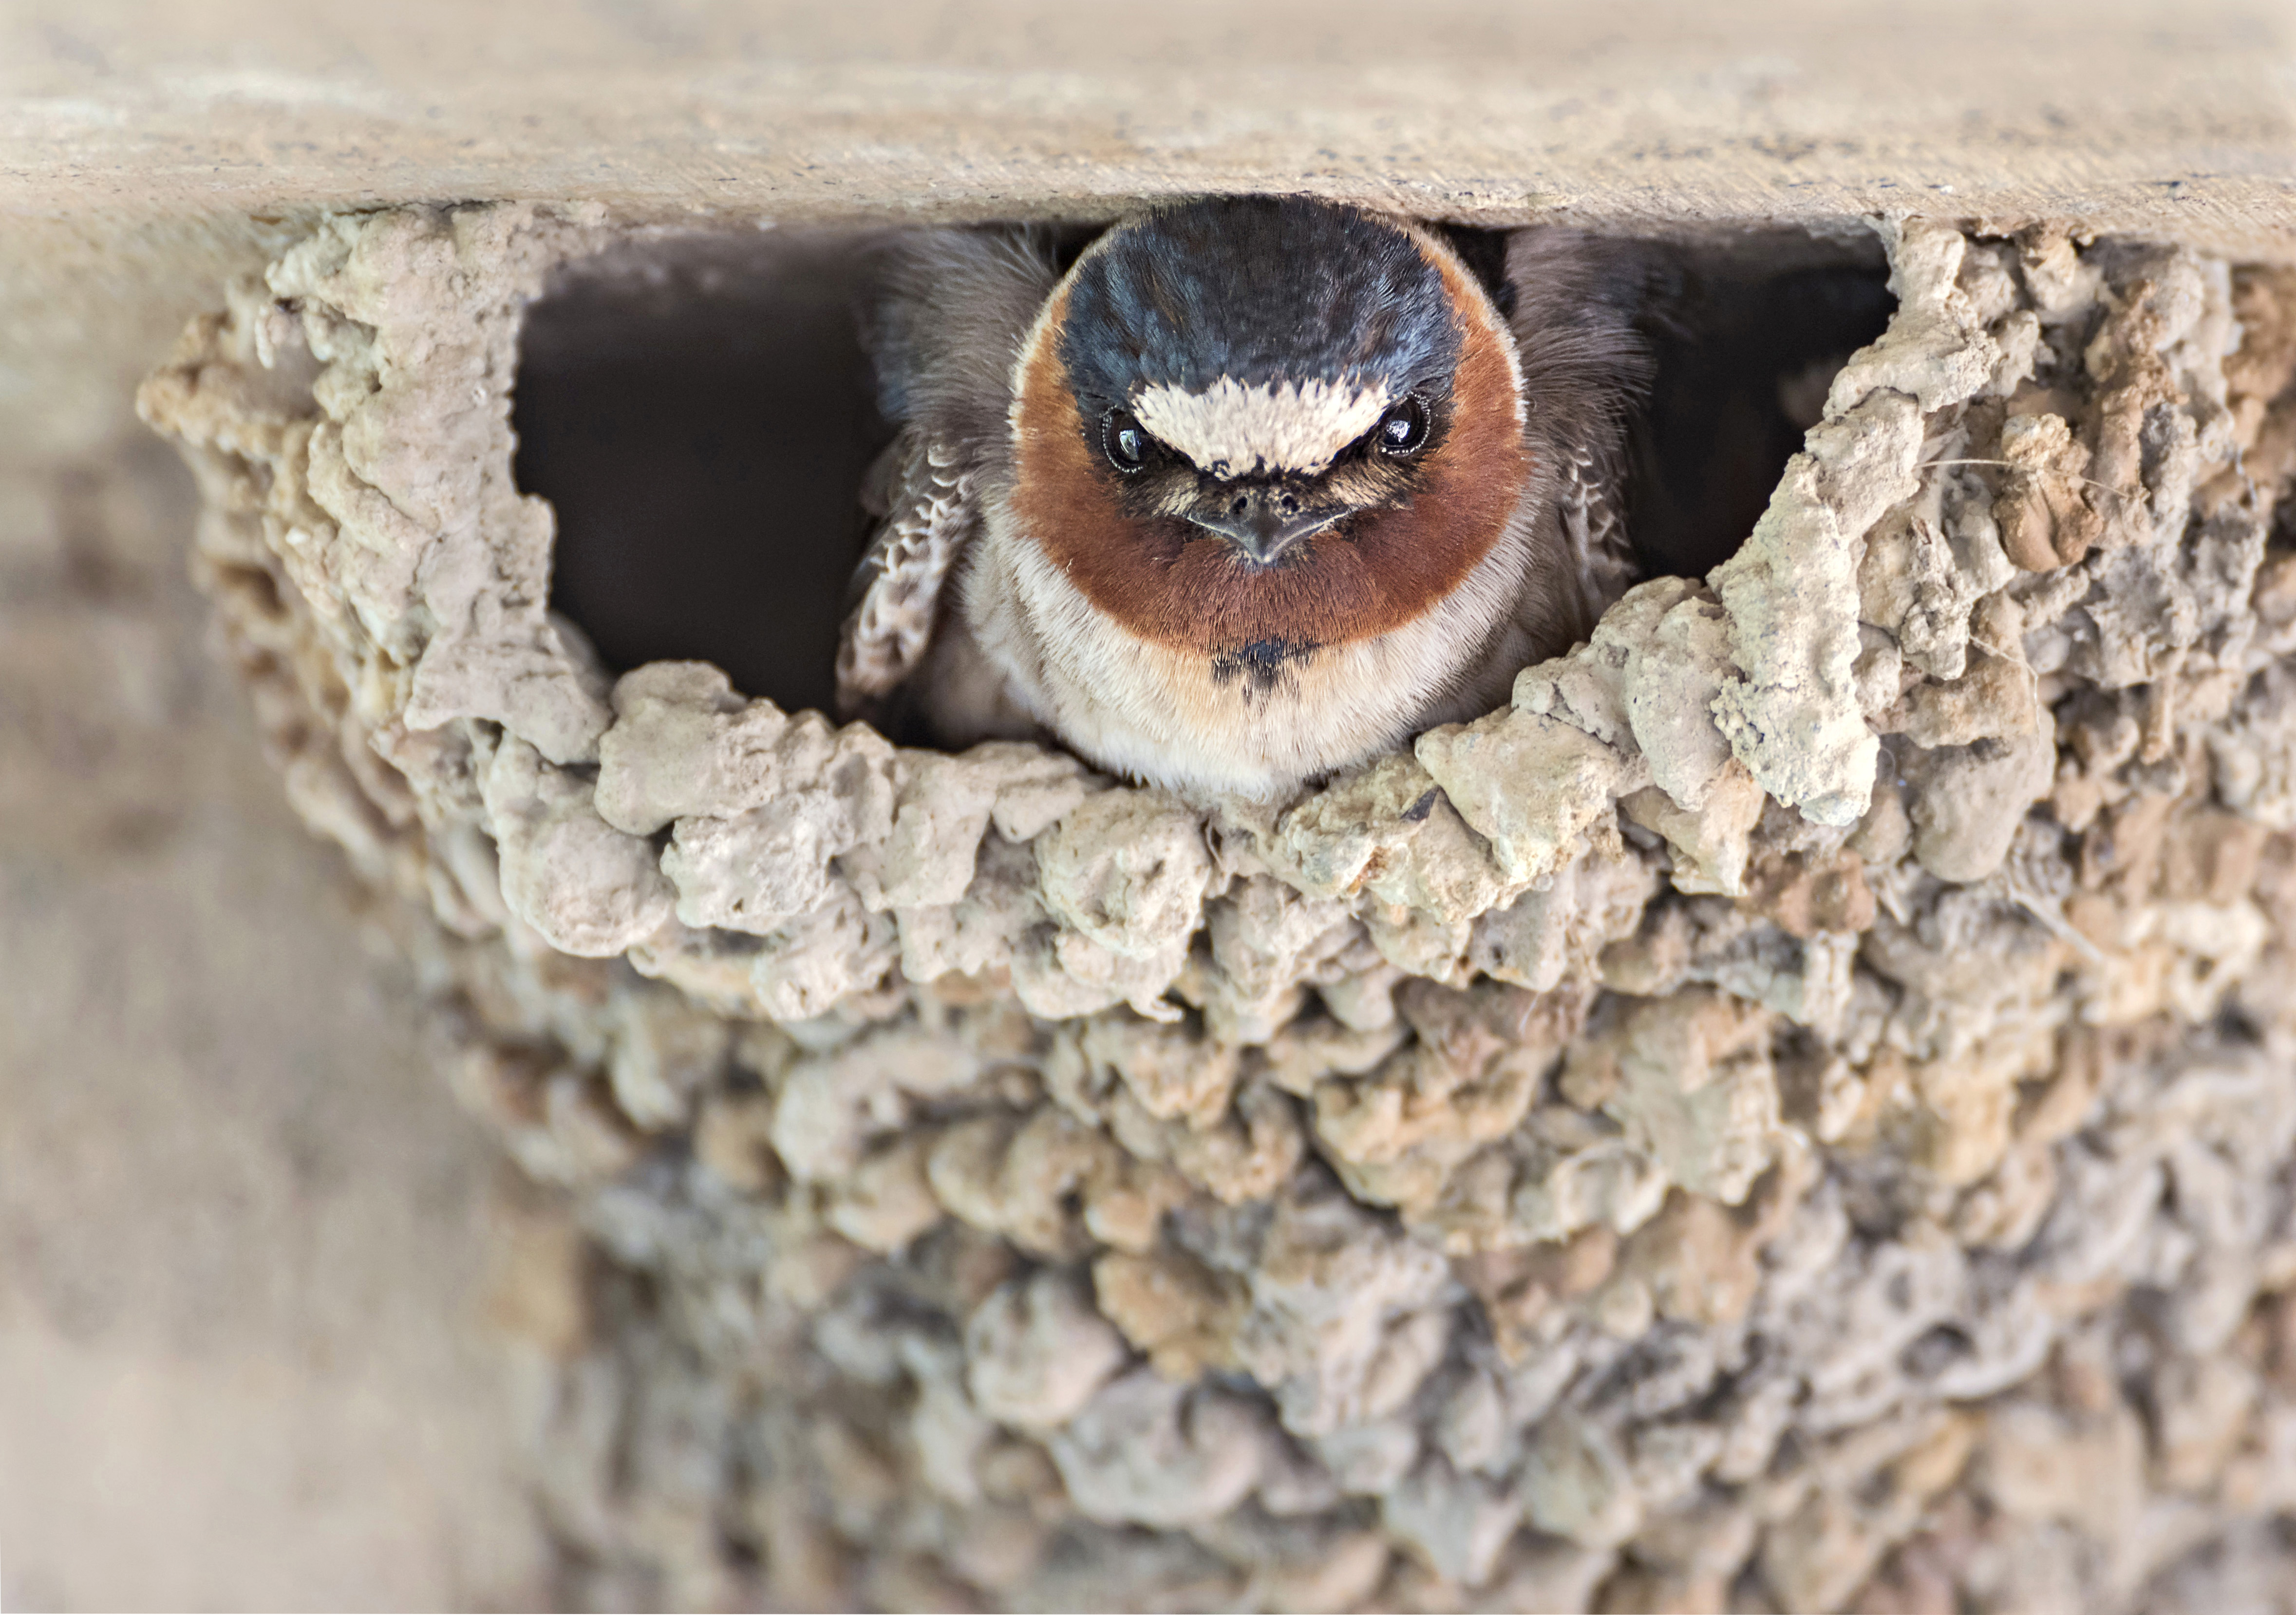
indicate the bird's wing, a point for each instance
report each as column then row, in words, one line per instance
column 1594, row 527
column 925, row 491
column 1586, row 369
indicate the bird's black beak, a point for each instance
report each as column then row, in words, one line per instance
column 1263, row 520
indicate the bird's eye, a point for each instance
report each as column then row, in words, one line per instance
column 1402, row 430
column 1125, row 441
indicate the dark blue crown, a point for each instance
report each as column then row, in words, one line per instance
column 1258, row 290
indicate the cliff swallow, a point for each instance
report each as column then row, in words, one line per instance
column 1256, row 489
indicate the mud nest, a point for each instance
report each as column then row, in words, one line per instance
column 1795, row 1111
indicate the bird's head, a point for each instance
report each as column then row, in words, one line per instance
column 1256, row 422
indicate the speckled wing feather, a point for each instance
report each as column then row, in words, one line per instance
column 1586, row 370
column 943, row 326
column 1594, row 526
column 927, row 502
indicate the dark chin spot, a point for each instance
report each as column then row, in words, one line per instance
column 1260, row 664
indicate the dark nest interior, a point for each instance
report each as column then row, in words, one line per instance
column 699, row 411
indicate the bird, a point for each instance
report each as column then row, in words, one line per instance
column 1249, row 492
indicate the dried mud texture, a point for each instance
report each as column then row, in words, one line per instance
column 1795, row 1111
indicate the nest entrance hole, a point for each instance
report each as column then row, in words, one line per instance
column 698, row 411
column 700, row 414
column 1748, row 332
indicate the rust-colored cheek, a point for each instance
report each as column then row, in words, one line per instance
column 1191, row 593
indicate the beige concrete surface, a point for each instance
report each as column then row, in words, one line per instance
column 243, row 1232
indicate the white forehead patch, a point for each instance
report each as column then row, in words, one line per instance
column 1231, row 430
